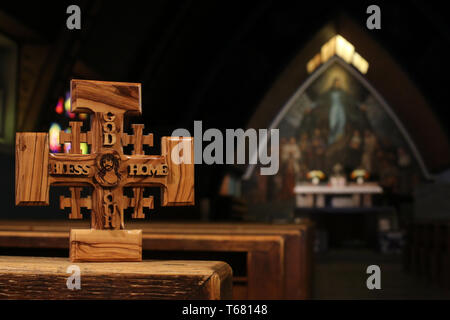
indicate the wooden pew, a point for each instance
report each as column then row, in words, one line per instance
column 46, row 278
column 428, row 251
column 298, row 256
column 278, row 258
column 442, row 240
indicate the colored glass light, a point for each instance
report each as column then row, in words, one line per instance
column 71, row 115
column 82, row 116
column 53, row 132
column 67, row 145
column 84, row 148
column 59, row 106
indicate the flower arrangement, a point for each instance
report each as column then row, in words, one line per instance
column 315, row 176
column 360, row 175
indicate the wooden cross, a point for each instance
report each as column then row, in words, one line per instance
column 138, row 140
column 75, row 202
column 106, row 170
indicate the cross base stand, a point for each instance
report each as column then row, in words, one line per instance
column 91, row 245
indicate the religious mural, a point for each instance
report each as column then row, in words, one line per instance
column 336, row 123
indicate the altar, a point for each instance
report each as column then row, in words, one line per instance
column 344, row 214
column 352, row 195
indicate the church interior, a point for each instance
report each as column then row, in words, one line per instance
column 363, row 148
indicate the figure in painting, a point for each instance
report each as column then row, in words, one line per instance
column 289, row 167
column 339, row 125
column 370, row 144
column 355, row 141
column 354, row 151
column 337, row 118
column 319, row 148
column 404, row 160
column 388, row 178
column 338, row 111
column 283, row 151
column 306, row 151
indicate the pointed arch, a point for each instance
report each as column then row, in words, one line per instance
column 360, row 78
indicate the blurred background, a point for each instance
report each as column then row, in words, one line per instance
column 363, row 114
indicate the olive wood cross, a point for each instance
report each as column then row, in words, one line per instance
column 106, row 169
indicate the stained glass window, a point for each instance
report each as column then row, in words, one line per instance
column 63, row 116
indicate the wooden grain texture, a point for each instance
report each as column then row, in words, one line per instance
column 295, row 255
column 138, row 140
column 105, row 245
column 179, row 187
column 45, row 278
column 32, row 186
column 268, row 248
column 427, row 251
column 106, row 170
column 103, row 96
column 75, row 202
column 139, row 202
column 75, row 137
column 298, row 256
